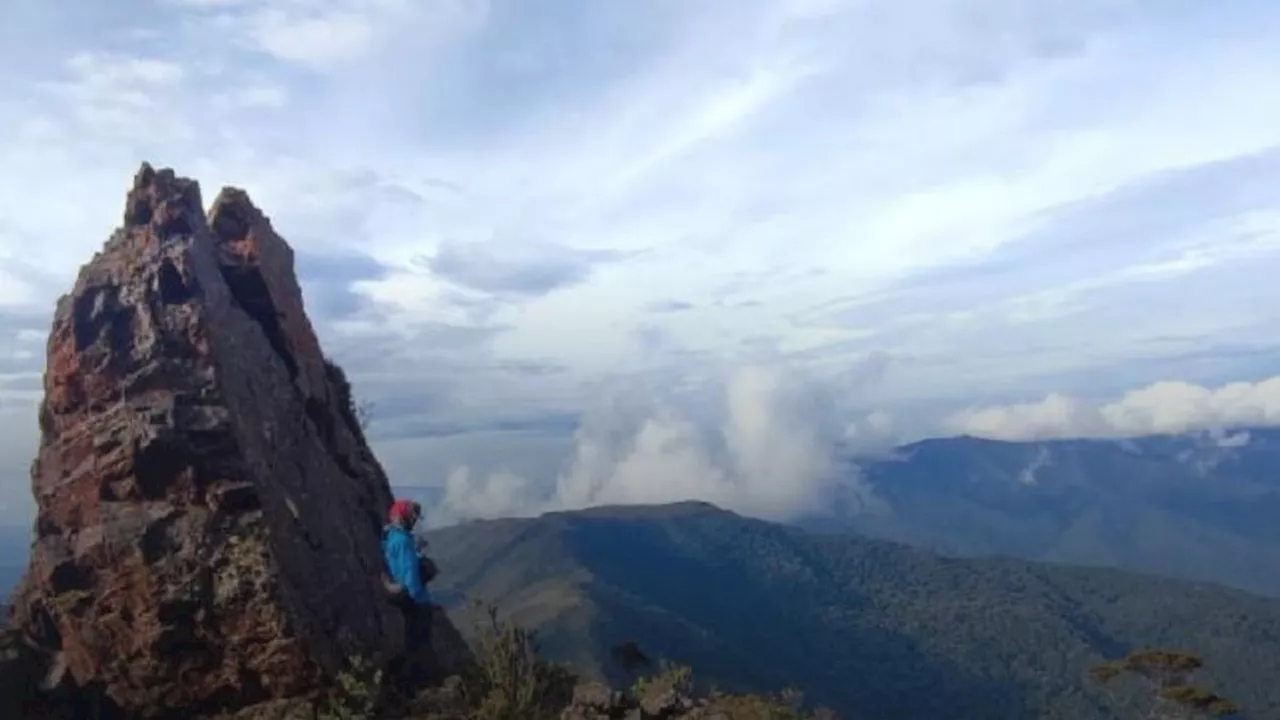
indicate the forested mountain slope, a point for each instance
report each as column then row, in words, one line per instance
column 871, row 628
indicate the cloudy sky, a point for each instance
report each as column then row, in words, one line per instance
column 580, row 251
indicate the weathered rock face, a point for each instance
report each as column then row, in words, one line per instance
column 209, row 511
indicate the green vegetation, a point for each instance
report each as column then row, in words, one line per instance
column 359, row 693
column 510, row 681
column 1163, row 687
column 869, row 628
column 356, row 413
column 672, row 677
column 678, row 679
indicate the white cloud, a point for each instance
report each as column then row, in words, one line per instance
column 326, row 35
column 1166, row 407
column 764, row 450
column 14, row 291
column 116, row 74
column 468, row 495
column 1027, row 475
column 110, row 94
column 259, row 96
column 332, row 36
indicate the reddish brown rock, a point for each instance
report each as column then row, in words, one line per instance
column 209, row 511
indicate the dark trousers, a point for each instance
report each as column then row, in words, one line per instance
column 412, row 669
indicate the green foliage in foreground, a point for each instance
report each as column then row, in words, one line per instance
column 786, row 705
column 510, row 681
column 1161, row 686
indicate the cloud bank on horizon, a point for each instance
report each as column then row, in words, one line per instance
column 582, row 252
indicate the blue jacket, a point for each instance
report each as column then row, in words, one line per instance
column 401, row 557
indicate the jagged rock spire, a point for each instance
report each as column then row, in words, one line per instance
column 208, row 508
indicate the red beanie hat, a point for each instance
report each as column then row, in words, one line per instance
column 400, row 509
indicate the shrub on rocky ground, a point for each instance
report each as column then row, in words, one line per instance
column 509, row 681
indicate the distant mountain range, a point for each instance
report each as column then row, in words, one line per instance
column 871, row 628
column 1201, row 507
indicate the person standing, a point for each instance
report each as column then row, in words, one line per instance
column 407, row 585
column 403, row 564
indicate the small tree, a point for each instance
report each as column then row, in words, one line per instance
column 360, row 413
column 629, row 657
column 364, row 414
column 1165, row 678
column 509, row 681
column 670, row 677
column 678, row 679
column 358, row 693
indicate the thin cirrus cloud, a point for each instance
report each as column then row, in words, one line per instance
column 511, row 218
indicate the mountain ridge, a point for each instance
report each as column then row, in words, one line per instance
column 1195, row 506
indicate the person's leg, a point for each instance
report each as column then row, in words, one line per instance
column 400, row 668
column 418, row 621
column 412, row 669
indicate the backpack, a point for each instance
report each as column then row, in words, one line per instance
column 427, row 569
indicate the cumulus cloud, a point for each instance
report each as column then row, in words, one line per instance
column 500, row 494
column 766, row 454
column 1166, row 407
column 766, row 448
column 872, row 432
